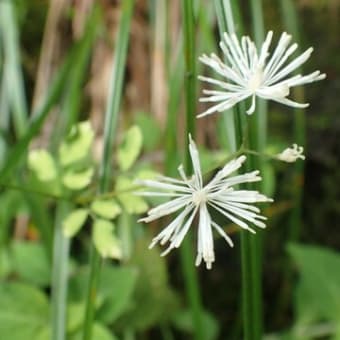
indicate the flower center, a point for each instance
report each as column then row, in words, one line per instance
column 199, row 197
column 256, row 80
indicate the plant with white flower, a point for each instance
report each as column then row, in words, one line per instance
column 291, row 155
column 193, row 197
column 247, row 73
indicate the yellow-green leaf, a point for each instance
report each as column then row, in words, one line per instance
column 77, row 146
column 106, row 208
column 130, row 148
column 74, row 221
column 106, row 243
column 132, row 203
column 42, row 164
column 76, row 180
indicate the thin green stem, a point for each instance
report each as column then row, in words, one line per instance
column 111, row 118
column 186, row 250
column 246, row 132
column 291, row 24
column 61, row 248
column 257, row 141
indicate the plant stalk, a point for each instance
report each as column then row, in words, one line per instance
column 111, row 118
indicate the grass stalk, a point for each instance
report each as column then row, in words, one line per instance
column 250, row 245
column 13, row 77
column 290, row 21
column 111, row 118
column 61, row 246
column 186, row 250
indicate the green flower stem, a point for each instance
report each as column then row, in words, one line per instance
column 290, row 20
column 61, row 246
column 291, row 24
column 111, row 117
column 257, row 141
column 186, row 250
column 247, row 133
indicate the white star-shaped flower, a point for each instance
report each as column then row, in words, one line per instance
column 247, row 73
column 193, row 198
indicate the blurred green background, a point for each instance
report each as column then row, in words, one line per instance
column 55, row 67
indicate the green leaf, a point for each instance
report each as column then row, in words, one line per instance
column 74, row 221
column 77, row 180
column 154, row 301
column 5, row 264
column 31, row 263
column 75, row 316
column 114, row 296
column 42, row 164
column 24, row 312
column 150, row 130
column 319, row 282
column 77, row 145
column 183, row 321
column 132, row 203
column 116, row 286
column 104, row 240
column 106, row 208
column 130, row 148
column 99, row 332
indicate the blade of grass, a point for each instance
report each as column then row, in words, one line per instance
column 19, row 149
column 68, row 115
column 74, row 91
column 111, row 117
column 61, row 247
column 12, row 68
column 186, row 250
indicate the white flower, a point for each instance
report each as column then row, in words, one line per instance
column 290, row 155
column 193, row 198
column 249, row 74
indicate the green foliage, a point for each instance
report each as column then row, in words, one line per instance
column 317, row 294
column 183, row 321
column 77, row 180
column 115, row 294
column 41, row 162
column 99, row 332
column 24, row 312
column 154, row 301
column 105, row 208
column 130, row 148
column 77, row 145
column 104, row 240
column 150, row 130
column 131, row 203
column 74, row 221
column 30, row 262
column 73, row 163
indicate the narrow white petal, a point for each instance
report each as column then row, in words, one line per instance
column 222, row 84
column 177, row 240
column 251, row 110
column 264, row 49
column 223, row 233
column 207, row 242
column 164, row 186
column 293, row 65
column 232, row 218
column 172, row 228
column 195, row 161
